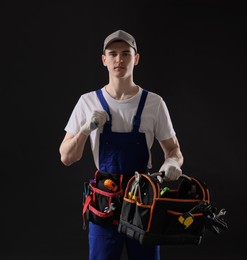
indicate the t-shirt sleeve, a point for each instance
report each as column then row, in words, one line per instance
column 77, row 118
column 163, row 127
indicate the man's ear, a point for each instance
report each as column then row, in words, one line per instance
column 137, row 58
column 103, row 59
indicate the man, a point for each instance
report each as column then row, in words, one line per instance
column 122, row 120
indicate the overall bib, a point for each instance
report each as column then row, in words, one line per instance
column 121, row 153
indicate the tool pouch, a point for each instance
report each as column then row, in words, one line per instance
column 164, row 215
column 102, row 199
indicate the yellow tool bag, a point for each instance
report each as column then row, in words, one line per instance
column 176, row 213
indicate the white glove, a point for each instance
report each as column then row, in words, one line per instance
column 97, row 119
column 170, row 170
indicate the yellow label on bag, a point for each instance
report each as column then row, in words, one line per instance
column 186, row 219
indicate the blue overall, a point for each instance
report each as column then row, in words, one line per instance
column 122, row 153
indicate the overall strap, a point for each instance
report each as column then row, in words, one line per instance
column 137, row 118
column 107, row 126
column 102, row 100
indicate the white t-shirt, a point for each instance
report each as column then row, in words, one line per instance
column 155, row 118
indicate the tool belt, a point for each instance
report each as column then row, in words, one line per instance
column 102, row 199
column 174, row 214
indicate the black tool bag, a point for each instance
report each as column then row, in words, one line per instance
column 154, row 214
column 102, row 199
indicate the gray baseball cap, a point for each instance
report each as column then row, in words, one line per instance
column 120, row 35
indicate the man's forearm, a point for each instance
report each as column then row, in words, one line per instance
column 177, row 155
column 71, row 149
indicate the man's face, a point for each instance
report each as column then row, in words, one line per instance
column 120, row 59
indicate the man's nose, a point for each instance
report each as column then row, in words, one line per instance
column 119, row 58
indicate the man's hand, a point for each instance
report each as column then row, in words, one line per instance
column 97, row 119
column 169, row 171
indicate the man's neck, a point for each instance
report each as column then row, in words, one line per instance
column 121, row 91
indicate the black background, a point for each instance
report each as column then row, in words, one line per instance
column 193, row 53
